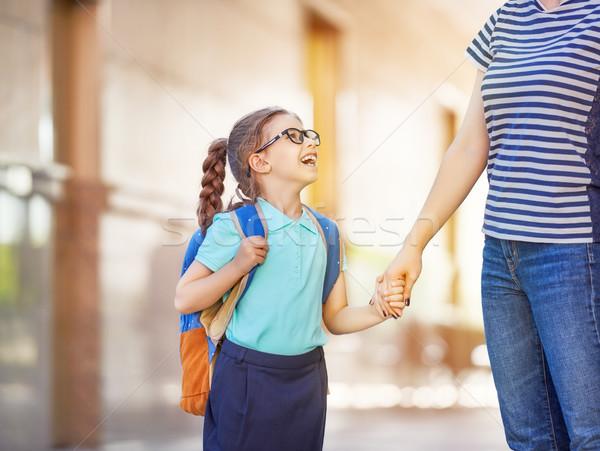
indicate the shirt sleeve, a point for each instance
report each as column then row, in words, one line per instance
column 480, row 52
column 221, row 243
column 345, row 260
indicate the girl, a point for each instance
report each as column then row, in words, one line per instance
column 270, row 382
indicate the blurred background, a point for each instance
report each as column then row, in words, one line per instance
column 106, row 111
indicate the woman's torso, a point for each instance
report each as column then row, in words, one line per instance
column 542, row 110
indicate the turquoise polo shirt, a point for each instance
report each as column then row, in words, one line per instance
column 281, row 312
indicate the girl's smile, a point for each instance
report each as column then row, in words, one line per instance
column 310, row 159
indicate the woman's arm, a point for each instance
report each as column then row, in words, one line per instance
column 342, row 319
column 200, row 288
column 463, row 163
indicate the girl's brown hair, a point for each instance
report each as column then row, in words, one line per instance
column 245, row 138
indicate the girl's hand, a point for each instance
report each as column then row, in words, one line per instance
column 252, row 251
column 375, row 300
column 406, row 266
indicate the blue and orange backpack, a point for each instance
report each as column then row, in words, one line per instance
column 201, row 333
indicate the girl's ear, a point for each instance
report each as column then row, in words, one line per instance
column 258, row 163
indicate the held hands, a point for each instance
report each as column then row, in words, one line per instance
column 252, row 251
column 406, row 266
column 395, row 294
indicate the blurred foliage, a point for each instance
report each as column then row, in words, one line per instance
column 9, row 274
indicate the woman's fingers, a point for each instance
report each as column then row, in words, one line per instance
column 381, row 289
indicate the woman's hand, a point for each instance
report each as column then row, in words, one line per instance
column 406, row 266
column 252, row 251
column 394, row 293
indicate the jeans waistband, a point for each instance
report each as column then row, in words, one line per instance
column 242, row 354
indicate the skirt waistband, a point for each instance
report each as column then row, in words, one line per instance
column 242, row 354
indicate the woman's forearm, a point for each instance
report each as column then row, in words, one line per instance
column 461, row 167
column 457, row 175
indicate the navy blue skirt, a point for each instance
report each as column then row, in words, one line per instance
column 264, row 402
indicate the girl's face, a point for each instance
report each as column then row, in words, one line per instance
column 290, row 161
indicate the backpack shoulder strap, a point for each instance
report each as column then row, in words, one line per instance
column 249, row 220
column 330, row 233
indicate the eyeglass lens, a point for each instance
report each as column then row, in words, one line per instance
column 297, row 136
column 311, row 134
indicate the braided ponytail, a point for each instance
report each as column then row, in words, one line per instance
column 210, row 202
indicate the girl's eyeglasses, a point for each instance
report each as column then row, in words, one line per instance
column 296, row 136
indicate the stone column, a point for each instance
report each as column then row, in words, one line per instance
column 76, row 404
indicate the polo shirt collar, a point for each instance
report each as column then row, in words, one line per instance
column 276, row 220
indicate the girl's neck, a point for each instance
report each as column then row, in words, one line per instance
column 286, row 201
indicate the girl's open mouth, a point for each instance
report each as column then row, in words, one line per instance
column 309, row 160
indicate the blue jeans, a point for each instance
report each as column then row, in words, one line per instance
column 541, row 310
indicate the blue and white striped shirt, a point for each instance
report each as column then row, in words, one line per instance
column 542, row 109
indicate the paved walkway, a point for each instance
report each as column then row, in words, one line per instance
column 415, row 430
column 352, row 430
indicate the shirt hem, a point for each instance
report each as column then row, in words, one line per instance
column 535, row 239
column 475, row 63
column 209, row 264
column 274, row 351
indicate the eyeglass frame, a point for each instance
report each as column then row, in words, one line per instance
column 316, row 139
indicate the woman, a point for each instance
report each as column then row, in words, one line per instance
column 534, row 121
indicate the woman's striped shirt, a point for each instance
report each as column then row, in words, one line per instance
column 542, row 109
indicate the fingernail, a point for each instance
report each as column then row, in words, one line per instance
column 407, row 302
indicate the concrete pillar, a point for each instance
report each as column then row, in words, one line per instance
column 76, row 405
